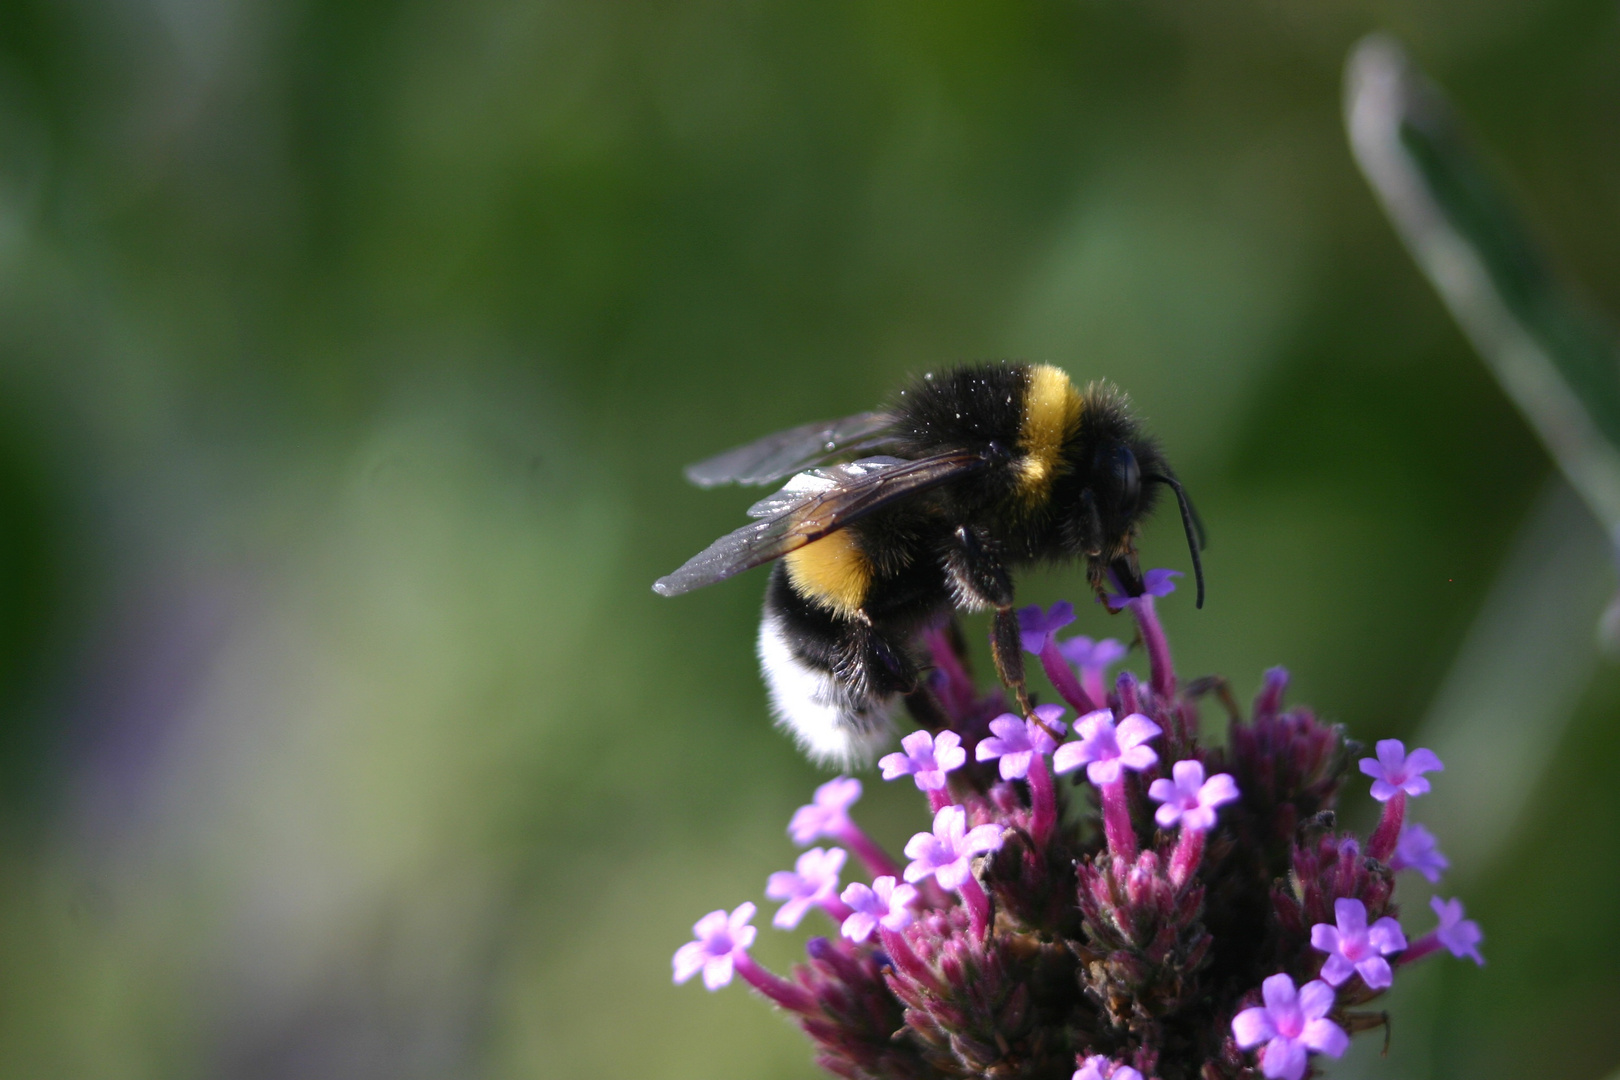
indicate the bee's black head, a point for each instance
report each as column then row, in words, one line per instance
column 1120, row 471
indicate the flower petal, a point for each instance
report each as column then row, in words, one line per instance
column 1136, row 729
column 982, row 839
column 1386, row 936
column 1283, row 1059
column 1351, row 915
column 1325, row 1037
column 1279, row 993
column 1375, row 972
column 1424, row 760
column 1316, row 999
column 859, row 926
column 717, row 972
column 689, row 960
column 1069, row 756
column 1251, row 1027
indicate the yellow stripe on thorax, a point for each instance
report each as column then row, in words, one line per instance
column 1052, row 408
column 832, row 571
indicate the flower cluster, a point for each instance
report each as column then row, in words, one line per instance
column 1123, row 904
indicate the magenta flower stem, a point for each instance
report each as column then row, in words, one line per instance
column 876, row 859
column 978, row 905
column 1158, row 648
column 905, row 959
column 787, row 994
column 1062, row 676
column 1381, row 845
column 1189, row 853
column 1117, row 821
column 1420, row 948
column 1129, row 701
column 938, row 800
column 1096, row 689
column 1042, row 801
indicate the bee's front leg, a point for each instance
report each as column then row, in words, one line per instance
column 979, row 579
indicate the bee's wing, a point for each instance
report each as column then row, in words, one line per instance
column 787, row 452
column 812, row 505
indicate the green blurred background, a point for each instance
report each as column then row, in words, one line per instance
column 348, row 356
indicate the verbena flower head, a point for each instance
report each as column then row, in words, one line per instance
column 946, row 854
column 1291, row 1024
column 1195, row 913
column 925, row 758
column 1354, row 948
column 885, row 903
column 828, row 814
column 1462, row 936
column 813, row 880
column 1106, row 751
column 1189, row 799
column 1417, row 849
column 1393, row 770
column 719, row 938
column 1017, row 741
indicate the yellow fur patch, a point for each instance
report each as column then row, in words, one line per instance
column 1052, row 408
column 832, row 571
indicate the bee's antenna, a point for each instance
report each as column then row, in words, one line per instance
column 1189, row 522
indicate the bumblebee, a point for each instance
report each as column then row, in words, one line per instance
column 893, row 518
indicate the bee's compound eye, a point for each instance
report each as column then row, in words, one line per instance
column 1124, row 477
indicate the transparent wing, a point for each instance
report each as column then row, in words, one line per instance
column 812, row 505
column 787, row 452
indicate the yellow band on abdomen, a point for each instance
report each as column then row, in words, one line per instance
column 832, row 571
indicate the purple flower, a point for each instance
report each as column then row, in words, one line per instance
column 1017, row 740
column 1394, row 771
column 1355, row 948
column 719, row 939
column 1417, row 849
column 813, row 880
column 927, row 758
column 946, row 853
column 1036, row 625
column 1154, row 583
column 1106, row 751
column 1189, row 798
column 1097, row 1067
column 884, row 903
column 1290, row 1024
column 828, row 815
column 1084, row 653
column 1462, row 936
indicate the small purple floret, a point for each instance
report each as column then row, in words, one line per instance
column 1097, row 1067
column 883, row 903
column 925, row 758
column 1106, row 751
column 1290, row 1023
column 1154, row 583
column 1189, row 798
column 720, row 937
column 1035, row 625
column 828, row 815
column 946, row 854
column 813, row 880
column 1393, row 770
column 1462, row 936
column 1017, row 740
column 1355, row 948
column 1099, row 655
column 1417, row 849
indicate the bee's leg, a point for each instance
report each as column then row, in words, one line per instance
column 1007, row 648
column 979, row 576
column 925, row 708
